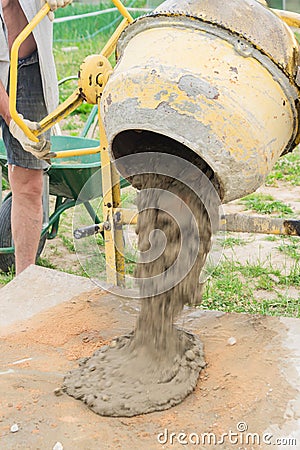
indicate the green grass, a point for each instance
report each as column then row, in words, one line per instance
column 271, row 238
column 232, row 241
column 45, row 262
column 68, row 243
column 90, row 27
column 286, row 169
column 5, row 184
column 75, row 40
column 232, row 288
column 266, row 204
column 6, row 277
column 291, row 247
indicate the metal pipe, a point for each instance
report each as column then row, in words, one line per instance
column 241, row 223
column 292, row 19
column 71, row 153
column 14, row 70
column 7, row 250
column 257, row 224
column 90, row 230
column 111, row 43
column 118, row 4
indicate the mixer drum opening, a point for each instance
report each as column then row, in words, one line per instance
column 131, row 142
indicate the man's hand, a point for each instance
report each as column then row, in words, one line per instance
column 39, row 149
column 54, row 4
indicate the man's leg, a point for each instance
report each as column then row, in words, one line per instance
column 27, row 213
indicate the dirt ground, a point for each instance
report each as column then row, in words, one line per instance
column 243, row 389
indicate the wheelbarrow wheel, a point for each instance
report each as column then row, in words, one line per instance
column 7, row 261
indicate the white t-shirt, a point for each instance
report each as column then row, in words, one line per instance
column 43, row 35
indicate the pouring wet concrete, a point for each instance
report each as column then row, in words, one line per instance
column 157, row 365
column 249, row 388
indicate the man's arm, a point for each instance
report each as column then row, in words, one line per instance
column 4, row 105
column 39, row 149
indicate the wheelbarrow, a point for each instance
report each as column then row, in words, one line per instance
column 65, row 180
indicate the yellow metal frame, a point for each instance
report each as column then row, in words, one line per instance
column 237, row 223
column 292, row 19
column 14, row 71
column 75, row 99
column 114, row 216
column 114, row 247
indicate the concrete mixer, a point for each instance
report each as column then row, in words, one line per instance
column 217, row 82
column 220, row 78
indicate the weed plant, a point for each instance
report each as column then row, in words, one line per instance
column 266, row 204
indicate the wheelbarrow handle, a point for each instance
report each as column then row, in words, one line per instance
column 14, row 71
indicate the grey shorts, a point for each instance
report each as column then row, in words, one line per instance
column 30, row 103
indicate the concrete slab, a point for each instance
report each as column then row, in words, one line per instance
column 36, row 289
column 248, row 397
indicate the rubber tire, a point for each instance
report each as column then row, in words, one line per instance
column 7, row 261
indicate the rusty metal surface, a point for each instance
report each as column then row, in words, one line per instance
column 257, row 224
column 292, row 227
column 237, row 222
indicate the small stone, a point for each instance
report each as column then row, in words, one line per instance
column 58, row 446
column 193, row 365
column 274, row 278
column 113, row 344
column 82, row 361
column 231, row 341
column 190, row 355
column 14, row 428
column 90, row 400
column 58, row 392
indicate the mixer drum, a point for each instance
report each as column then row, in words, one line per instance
column 216, row 78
